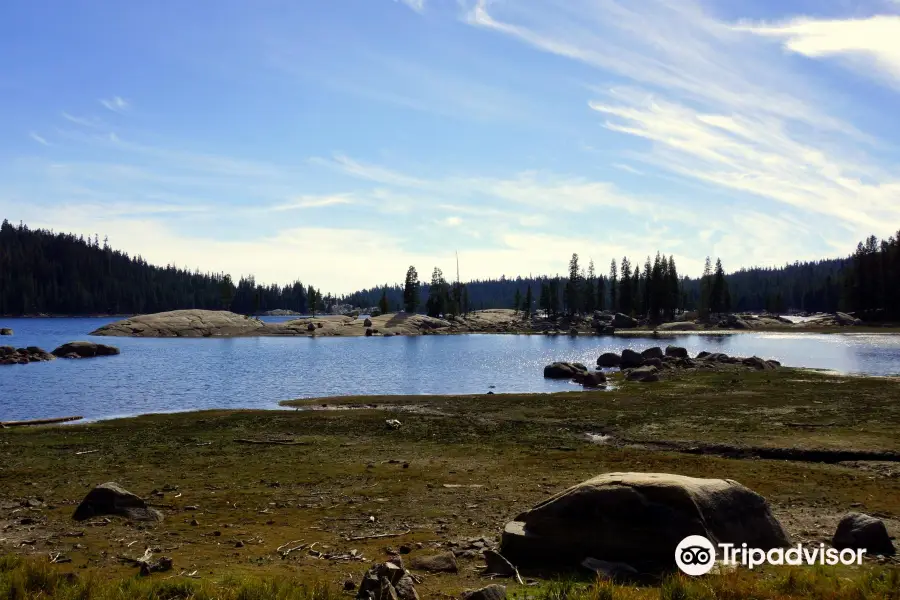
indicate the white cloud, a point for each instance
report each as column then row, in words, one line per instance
column 40, row 140
column 115, row 104
column 416, row 5
column 627, row 168
column 304, row 202
column 863, row 43
column 83, row 121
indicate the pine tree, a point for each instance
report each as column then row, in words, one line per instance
column 601, row 293
column 517, row 301
column 554, row 297
column 227, row 291
column 411, row 290
column 672, row 288
column 589, row 293
column 706, row 289
column 613, row 287
column 648, row 299
column 626, row 288
column 383, row 303
column 719, row 289
column 436, row 304
column 528, row 301
column 572, row 286
column 544, row 301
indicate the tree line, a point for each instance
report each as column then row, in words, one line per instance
column 867, row 282
column 42, row 272
column 60, row 273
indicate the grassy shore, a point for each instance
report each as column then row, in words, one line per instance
column 458, row 468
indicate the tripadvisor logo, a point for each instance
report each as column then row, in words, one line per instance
column 695, row 555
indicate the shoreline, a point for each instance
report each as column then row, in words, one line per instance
column 386, row 401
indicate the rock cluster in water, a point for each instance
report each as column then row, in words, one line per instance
column 23, row 356
column 647, row 366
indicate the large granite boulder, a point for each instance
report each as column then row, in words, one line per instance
column 112, row 499
column 676, row 352
column 639, row 519
column 84, row 350
column 859, row 531
column 631, row 359
column 563, row 370
column 623, row 321
column 845, row 319
column 609, row 359
column 655, row 352
column 592, row 379
column 184, row 323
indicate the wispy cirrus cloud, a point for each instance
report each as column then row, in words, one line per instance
column 860, row 43
column 716, row 107
column 38, row 138
column 416, row 5
column 304, row 202
column 92, row 122
column 115, row 104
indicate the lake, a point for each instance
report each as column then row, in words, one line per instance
column 165, row 375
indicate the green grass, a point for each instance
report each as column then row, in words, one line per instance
column 33, row 579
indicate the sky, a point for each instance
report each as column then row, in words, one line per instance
column 340, row 141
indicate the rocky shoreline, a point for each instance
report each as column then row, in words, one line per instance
column 206, row 323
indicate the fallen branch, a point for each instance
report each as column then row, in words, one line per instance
column 38, row 422
column 271, row 442
column 379, row 536
column 57, row 558
column 283, row 549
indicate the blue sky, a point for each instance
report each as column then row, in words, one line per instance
column 340, row 141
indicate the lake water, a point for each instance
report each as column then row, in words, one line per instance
column 164, row 375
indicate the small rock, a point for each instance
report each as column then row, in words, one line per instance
column 643, row 374
column 440, row 563
column 491, row 592
column 349, row 585
column 859, row 531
